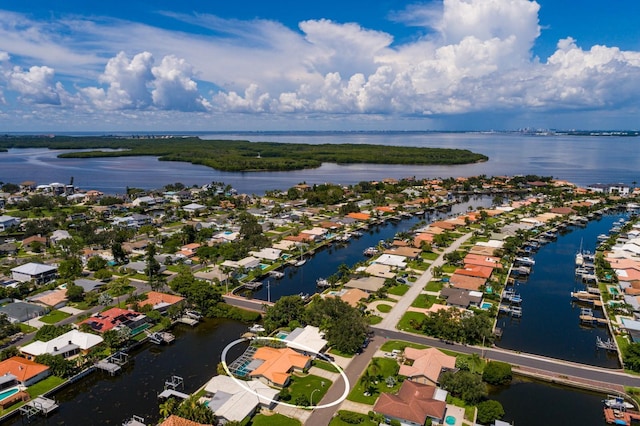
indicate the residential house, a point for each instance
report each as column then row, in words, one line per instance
column 161, row 301
column 59, row 235
column 352, row 296
column 19, row 311
column 115, row 317
column 38, row 272
column 89, row 285
column 7, row 222
column 392, row 260
column 231, row 402
column 34, row 240
column 461, row 298
column 174, row 420
column 276, row 365
column 466, row 282
column 68, row 345
column 193, row 208
column 27, row 372
column 427, row 365
column 54, row 299
column 308, row 340
column 367, row 284
column 269, row 254
column 413, row 404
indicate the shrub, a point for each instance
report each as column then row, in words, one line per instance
column 497, row 373
column 489, row 411
column 350, row 417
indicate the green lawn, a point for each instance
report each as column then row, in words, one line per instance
column 26, row 328
column 44, row 386
column 325, row 365
column 434, row 285
column 305, row 385
column 469, row 410
column 374, row 319
column 449, row 269
column 388, row 368
column 54, row 316
column 430, row 256
column 400, row 344
column 410, row 318
column 398, row 290
column 384, row 308
column 364, row 419
column 424, row 301
column 274, row 420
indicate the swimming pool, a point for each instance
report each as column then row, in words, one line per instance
column 486, row 305
column 282, row 335
column 450, row 420
column 9, row 392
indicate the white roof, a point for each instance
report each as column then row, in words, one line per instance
column 193, row 206
column 83, row 340
column 234, row 402
column 249, row 262
column 7, row 218
column 490, row 243
column 32, row 268
column 392, row 260
column 315, row 231
column 267, row 253
column 306, row 339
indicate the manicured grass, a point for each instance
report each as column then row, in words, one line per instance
column 424, row 301
column 408, row 319
column 44, row 386
column 374, row 319
column 388, row 368
column 430, row 256
column 449, row 269
column 421, row 266
column 342, row 354
column 325, row 365
column 400, row 344
column 434, row 286
column 384, row 308
column 274, row 420
column 469, row 410
column 54, row 316
column 398, row 290
column 365, row 420
column 26, row 328
column 304, row 385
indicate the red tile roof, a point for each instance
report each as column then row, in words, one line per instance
column 155, row 298
column 109, row 319
column 174, row 420
column 414, row 402
column 22, row 368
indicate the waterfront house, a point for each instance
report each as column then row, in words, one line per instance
column 406, row 252
column 475, row 271
column 68, row 345
column 379, row 270
column 413, row 404
column 367, row 284
column 161, row 301
column 25, row 371
column 466, row 282
column 19, row 311
column 393, row 260
column 426, row 365
column 276, row 365
column 7, row 222
column 352, row 296
column 115, row 317
column 461, row 298
column 231, row 402
column 268, row 254
column 174, row 420
column 38, row 272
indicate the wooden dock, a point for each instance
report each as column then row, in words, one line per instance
column 619, row 417
column 590, row 319
column 39, row 405
column 187, row 320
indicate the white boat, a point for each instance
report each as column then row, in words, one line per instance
column 323, row 283
column 370, row 251
column 276, row 274
column 527, row 261
column 617, row 402
column 300, row 262
column 256, row 328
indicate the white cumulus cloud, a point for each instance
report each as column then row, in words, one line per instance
column 35, row 85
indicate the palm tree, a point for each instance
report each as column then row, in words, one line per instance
column 167, row 408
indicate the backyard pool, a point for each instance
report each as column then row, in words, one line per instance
column 9, row 392
column 486, row 305
column 282, row 335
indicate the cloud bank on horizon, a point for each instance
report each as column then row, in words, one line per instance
column 470, row 64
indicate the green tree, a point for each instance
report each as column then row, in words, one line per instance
column 193, row 410
column 464, row 384
column 152, row 271
column 632, row 357
column 345, row 327
column 103, row 274
column 490, row 411
column 167, row 408
column 283, row 312
column 497, row 373
column 119, row 255
column 75, row 293
column 50, row 331
column 57, row 364
column 70, row 268
column 95, row 263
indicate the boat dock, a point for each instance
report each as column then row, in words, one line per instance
column 39, row 405
column 190, row 317
column 587, row 317
column 170, row 387
column 135, row 421
column 586, row 297
column 160, row 337
column 113, row 364
column 619, row 417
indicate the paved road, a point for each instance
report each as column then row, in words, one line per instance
column 244, row 303
column 353, row 371
column 391, row 319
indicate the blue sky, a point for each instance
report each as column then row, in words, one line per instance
column 345, row 65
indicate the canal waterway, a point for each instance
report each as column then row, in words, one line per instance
column 100, row 399
column 528, row 402
column 550, row 324
column 327, row 260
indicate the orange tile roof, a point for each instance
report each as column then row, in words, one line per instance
column 22, row 368
column 414, row 402
column 476, row 259
column 353, row 296
column 475, row 271
column 53, row 298
column 466, row 282
column 385, row 209
column 155, row 298
column 426, row 362
column 359, row 216
column 278, row 363
column 444, row 225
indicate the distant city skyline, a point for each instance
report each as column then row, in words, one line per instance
column 282, row 65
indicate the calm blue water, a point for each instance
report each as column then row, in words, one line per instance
column 550, row 323
column 582, row 160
